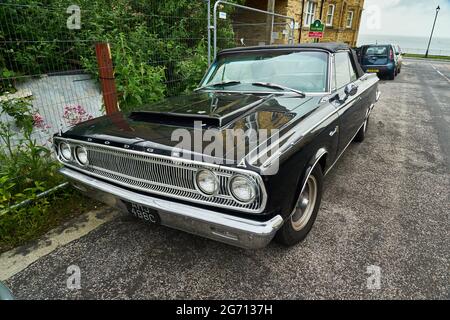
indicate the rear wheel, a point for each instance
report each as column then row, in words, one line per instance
column 392, row 75
column 302, row 218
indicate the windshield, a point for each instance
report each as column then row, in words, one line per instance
column 304, row 71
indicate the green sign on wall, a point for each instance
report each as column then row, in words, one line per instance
column 317, row 26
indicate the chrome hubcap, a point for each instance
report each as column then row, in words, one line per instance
column 305, row 205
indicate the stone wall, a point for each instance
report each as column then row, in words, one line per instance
column 294, row 8
column 254, row 28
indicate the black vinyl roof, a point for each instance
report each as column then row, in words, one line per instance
column 327, row 46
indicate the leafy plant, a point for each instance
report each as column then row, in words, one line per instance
column 26, row 168
column 138, row 82
column 193, row 68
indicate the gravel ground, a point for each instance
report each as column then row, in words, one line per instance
column 386, row 205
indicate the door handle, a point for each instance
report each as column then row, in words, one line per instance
column 332, row 133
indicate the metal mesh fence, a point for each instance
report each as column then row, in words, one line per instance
column 47, row 54
column 241, row 26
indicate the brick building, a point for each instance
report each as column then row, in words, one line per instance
column 341, row 18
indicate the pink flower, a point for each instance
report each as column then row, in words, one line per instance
column 74, row 114
column 39, row 122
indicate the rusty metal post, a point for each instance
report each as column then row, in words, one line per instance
column 106, row 75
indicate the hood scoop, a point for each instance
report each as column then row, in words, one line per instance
column 212, row 118
column 175, row 119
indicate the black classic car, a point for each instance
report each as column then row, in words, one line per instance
column 310, row 101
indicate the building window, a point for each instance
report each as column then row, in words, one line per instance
column 330, row 15
column 310, row 13
column 350, row 19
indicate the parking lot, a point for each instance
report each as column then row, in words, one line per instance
column 386, row 207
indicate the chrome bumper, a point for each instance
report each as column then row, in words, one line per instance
column 225, row 228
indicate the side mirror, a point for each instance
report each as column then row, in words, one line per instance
column 350, row 90
column 397, row 53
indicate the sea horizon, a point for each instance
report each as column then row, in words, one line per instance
column 409, row 44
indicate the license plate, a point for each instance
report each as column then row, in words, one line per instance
column 373, row 70
column 142, row 212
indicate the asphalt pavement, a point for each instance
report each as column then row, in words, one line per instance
column 382, row 231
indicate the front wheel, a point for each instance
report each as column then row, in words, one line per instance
column 361, row 135
column 302, row 218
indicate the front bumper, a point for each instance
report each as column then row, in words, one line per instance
column 245, row 233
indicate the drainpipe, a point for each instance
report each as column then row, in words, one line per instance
column 301, row 22
column 321, row 13
column 321, row 9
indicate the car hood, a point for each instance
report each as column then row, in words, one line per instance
column 160, row 127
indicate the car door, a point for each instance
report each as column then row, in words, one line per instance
column 350, row 108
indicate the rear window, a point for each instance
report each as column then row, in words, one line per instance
column 376, row 51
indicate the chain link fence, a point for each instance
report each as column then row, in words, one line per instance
column 48, row 56
column 241, row 26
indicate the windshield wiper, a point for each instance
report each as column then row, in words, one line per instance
column 219, row 84
column 278, row 86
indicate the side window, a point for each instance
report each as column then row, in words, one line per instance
column 353, row 76
column 342, row 69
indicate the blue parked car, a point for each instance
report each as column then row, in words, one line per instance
column 381, row 59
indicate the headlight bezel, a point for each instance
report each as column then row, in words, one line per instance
column 250, row 182
column 216, row 182
column 77, row 158
column 61, row 153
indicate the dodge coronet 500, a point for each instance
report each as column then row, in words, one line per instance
column 311, row 101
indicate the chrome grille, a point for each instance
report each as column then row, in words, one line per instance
column 163, row 175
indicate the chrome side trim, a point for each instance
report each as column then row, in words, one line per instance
column 226, row 228
column 351, row 140
column 321, row 154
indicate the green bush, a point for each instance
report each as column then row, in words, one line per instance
column 26, row 168
column 158, row 47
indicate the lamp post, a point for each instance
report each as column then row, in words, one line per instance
column 432, row 30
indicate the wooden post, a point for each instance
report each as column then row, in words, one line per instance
column 106, row 75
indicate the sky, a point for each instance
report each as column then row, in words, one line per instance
column 405, row 17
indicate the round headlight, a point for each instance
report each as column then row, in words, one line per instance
column 207, row 182
column 65, row 151
column 81, row 155
column 243, row 189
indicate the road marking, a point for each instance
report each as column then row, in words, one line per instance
column 443, row 75
column 16, row 260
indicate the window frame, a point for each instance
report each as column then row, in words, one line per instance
column 308, row 14
column 330, row 24
column 351, row 69
column 350, row 16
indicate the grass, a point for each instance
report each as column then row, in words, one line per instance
column 29, row 223
column 414, row 55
